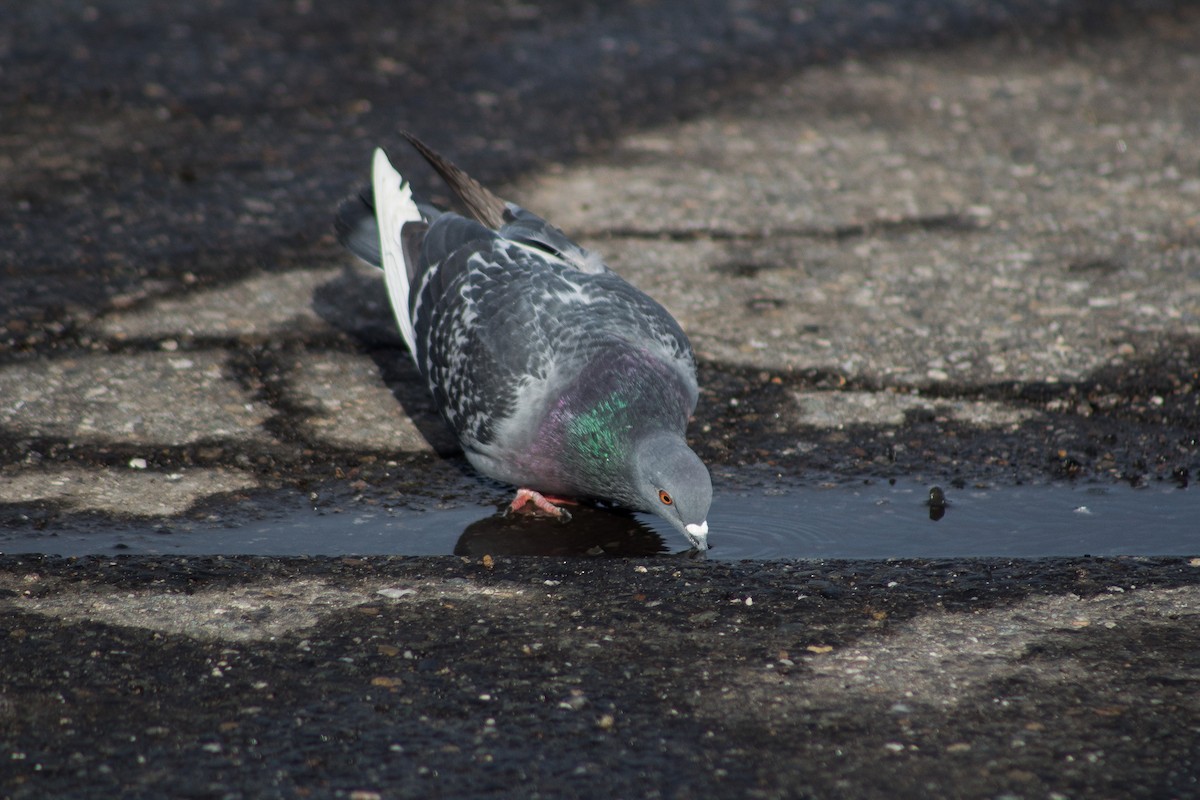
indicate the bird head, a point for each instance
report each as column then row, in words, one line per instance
column 672, row 482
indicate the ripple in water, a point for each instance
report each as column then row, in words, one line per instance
column 759, row 525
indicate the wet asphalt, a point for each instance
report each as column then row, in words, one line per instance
column 950, row 242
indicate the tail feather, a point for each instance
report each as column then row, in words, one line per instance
column 394, row 206
column 485, row 207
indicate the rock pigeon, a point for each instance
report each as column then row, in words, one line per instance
column 555, row 374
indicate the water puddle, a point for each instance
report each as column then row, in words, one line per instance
column 868, row 521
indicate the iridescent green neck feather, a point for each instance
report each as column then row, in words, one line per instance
column 601, row 434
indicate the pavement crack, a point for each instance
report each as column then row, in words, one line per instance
column 953, row 222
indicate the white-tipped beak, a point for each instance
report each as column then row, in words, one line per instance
column 697, row 535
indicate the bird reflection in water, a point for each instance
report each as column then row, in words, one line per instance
column 592, row 531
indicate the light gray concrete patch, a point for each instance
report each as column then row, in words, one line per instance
column 965, row 215
column 146, row 398
column 250, row 612
column 261, row 611
column 128, row 492
column 941, row 659
column 351, row 407
column 919, row 310
column 839, row 409
column 274, row 304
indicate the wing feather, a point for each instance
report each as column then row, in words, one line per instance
column 394, row 207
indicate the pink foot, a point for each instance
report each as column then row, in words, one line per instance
column 541, row 502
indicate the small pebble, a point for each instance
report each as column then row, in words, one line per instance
column 576, row 701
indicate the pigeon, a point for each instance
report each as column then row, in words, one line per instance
column 556, row 375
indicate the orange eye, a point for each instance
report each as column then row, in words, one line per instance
column 665, row 498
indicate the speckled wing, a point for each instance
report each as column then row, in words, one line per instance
column 501, row 326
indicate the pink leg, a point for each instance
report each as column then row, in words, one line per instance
column 542, row 502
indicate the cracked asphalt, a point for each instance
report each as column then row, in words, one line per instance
column 943, row 241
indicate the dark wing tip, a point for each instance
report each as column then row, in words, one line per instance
column 356, row 227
